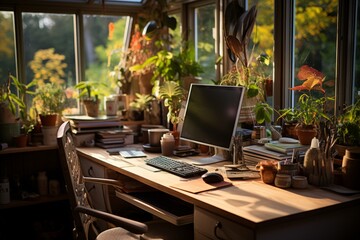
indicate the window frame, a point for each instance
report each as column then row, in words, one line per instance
column 283, row 34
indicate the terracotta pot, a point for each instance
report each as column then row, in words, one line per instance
column 176, row 135
column 351, row 169
column 269, row 87
column 135, row 115
column 6, row 115
column 305, row 135
column 342, row 148
column 92, row 107
column 21, row 140
column 289, row 130
column 49, row 120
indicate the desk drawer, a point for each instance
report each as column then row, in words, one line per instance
column 161, row 205
column 208, row 225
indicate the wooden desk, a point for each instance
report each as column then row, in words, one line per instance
column 250, row 209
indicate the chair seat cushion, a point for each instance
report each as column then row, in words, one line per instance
column 117, row 234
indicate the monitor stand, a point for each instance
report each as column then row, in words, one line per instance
column 217, row 157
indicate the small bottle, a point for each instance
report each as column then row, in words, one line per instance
column 4, row 191
column 167, row 144
column 42, row 183
column 312, row 162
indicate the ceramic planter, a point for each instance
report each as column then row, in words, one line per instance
column 306, row 134
column 92, row 107
column 49, row 119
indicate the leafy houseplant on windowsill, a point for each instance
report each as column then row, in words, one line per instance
column 49, row 102
column 172, row 94
column 139, row 106
column 89, row 95
column 239, row 24
column 348, row 129
column 311, row 110
column 10, row 104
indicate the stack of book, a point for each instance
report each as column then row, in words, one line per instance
column 268, row 151
column 286, row 148
column 85, row 124
column 85, row 127
column 114, row 138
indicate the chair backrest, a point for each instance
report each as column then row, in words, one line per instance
column 73, row 177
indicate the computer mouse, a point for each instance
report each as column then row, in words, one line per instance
column 212, row 177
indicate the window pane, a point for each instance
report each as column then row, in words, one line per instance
column 315, row 40
column 104, row 48
column 205, row 41
column 356, row 81
column 176, row 34
column 7, row 46
column 263, row 39
column 49, row 51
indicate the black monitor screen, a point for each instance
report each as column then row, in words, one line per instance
column 211, row 114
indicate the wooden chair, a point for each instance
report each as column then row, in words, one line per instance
column 84, row 215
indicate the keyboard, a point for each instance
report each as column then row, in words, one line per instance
column 182, row 169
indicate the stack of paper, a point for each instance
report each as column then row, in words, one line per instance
column 86, row 124
column 114, row 138
column 258, row 153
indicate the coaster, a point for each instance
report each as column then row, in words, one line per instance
column 152, row 149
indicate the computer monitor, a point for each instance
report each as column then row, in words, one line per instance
column 211, row 117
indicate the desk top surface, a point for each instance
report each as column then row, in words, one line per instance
column 248, row 201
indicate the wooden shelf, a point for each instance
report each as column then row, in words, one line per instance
column 34, row 201
column 11, row 150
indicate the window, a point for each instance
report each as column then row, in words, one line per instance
column 49, row 43
column 105, row 43
column 315, row 40
column 176, row 34
column 204, row 39
column 356, row 79
column 49, row 50
column 7, row 46
column 263, row 39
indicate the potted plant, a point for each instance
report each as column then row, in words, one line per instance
column 288, row 115
column 49, row 102
column 49, row 70
column 89, row 94
column 138, row 106
column 9, row 102
column 12, row 103
column 348, row 129
column 247, row 71
column 310, row 109
column 173, row 95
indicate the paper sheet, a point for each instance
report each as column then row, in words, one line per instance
column 198, row 185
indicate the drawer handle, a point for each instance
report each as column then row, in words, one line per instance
column 218, row 225
column 90, row 171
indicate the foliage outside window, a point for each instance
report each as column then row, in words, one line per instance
column 356, row 80
column 48, row 68
column 49, row 46
column 104, row 47
column 7, row 46
column 204, row 40
column 315, row 39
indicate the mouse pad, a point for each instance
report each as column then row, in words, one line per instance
column 198, row 185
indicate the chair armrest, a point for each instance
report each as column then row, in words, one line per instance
column 128, row 224
column 106, row 181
